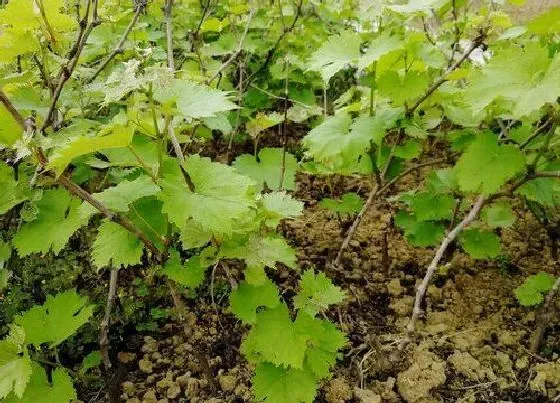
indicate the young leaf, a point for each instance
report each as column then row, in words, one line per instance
column 56, row 320
column 349, row 203
column 335, row 54
column 486, row 166
column 279, row 206
column 247, row 299
column 57, row 220
column 324, row 343
column 279, row 385
column 381, row 45
column 267, row 169
column 40, row 390
column 194, row 100
column 191, row 273
column 530, row 293
column 260, row 251
column 499, row 215
column 419, row 233
column 276, row 338
column 114, row 136
column 317, row 293
column 221, row 197
column 13, row 192
column 15, row 365
column 119, row 197
column 480, row 244
column 115, row 246
column 428, row 206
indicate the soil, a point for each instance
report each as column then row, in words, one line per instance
column 471, row 344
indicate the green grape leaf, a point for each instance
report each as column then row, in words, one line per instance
column 115, row 246
column 194, row 236
column 530, row 293
column 528, row 84
column 325, row 340
column 114, row 136
column 429, row 206
column 56, row 320
column 420, row 233
column 247, row 299
column 13, row 192
column 57, row 220
column 15, row 365
column 194, row 100
column 418, row 6
column 39, row 390
column 278, row 206
column 146, row 214
column 498, row 215
column 335, row 54
column 349, row 203
column 276, row 338
column 546, row 23
column 268, row 168
column 191, row 273
column 400, row 88
column 119, row 197
column 381, row 45
column 486, row 166
column 480, row 244
column 317, row 293
column 10, row 130
column 221, row 196
column 541, row 190
column 338, row 142
column 261, row 251
column 279, row 385
column 262, row 122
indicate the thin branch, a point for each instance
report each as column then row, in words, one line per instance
column 283, row 131
column 421, row 291
column 273, row 50
column 73, row 56
column 438, row 83
column 547, row 174
column 104, row 326
column 374, row 194
column 237, row 51
column 544, row 317
column 544, row 148
column 535, row 133
column 11, row 108
column 119, row 48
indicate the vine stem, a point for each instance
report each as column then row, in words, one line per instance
column 73, row 56
column 374, row 194
column 171, row 65
column 544, row 317
column 421, row 291
column 119, row 48
column 104, row 326
column 237, row 51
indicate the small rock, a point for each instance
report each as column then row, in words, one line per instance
column 338, row 391
column 133, row 400
column 192, row 388
column 150, row 345
column 163, row 401
column 227, row 382
column 173, row 392
column 126, row 358
column 165, row 383
column 547, row 379
column 465, row 364
column 427, row 372
column 354, row 243
column 128, row 388
column 394, row 287
column 146, row 366
column 150, row 397
column 366, row 396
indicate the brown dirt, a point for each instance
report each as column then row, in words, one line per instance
column 471, row 345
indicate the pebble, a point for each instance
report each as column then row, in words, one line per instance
column 146, row 366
